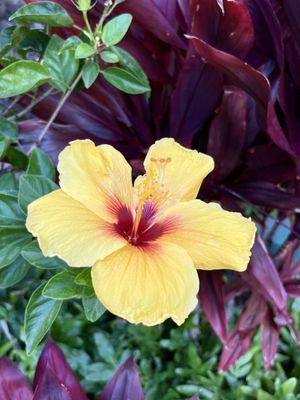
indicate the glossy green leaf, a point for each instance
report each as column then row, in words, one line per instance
column 17, row 158
column 84, row 50
column 287, row 387
column 90, row 73
column 6, row 40
column 12, row 241
column 70, row 44
column 13, row 273
column 4, row 145
column 32, row 187
column 33, row 40
column 44, row 12
column 62, row 66
column 115, row 30
column 10, row 212
column 8, row 129
column 8, row 181
column 62, row 286
column 21, row 77
column 33, row 254
column 130, row 64
column 124, row 81
column 109, row 57
column 84, row 277
column 39, row 316
column 92, row 307
column 40, row 164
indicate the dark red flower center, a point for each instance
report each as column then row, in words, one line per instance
column 147, row 230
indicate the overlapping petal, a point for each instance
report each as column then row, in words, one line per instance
column 97, row 176
column 213, row 237
column 67, row 229
column 147, row 284
column 183, row 173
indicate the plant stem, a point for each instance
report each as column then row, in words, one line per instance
column 87, row 23
column 32, row 104
column 61, row 103
column 11, row 105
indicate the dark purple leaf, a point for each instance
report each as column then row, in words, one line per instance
column 268, row 195
column 49, row 387
column 212, row 302
column 270, row 339
column 206, row 17
column 268, row 33
column 13, row 384
column 235, row 347
column 263, row 276
column 149, row 16
column 292, row 10
column 236, row 35
column 125, row 384
column 277, row 168
column 189, row 108
column 52, row 359
column 292, row 287
column 241, row 74
column 275, row 131
column 227, row 132
column 253, row 314
column 289, row 98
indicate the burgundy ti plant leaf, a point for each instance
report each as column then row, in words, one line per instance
column 13, row 384
column 125, row 384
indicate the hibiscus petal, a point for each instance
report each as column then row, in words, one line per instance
column 98, row 177
column 147, row 284
column 184, row 171
column 213, row 237
column 67, row 229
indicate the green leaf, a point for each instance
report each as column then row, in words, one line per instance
column 9, row 181
column 6, row 40
column 70, row 44
column 33, row 40
column 90, row 72
column 10, row 212
column 8, row 129
column 17, row 158
column 39, row 316
column 130, row 64
column 32, row 187
column 12, row 241
column 33, row 254
column 21, row 77
column 84, row 50
column 14, row 273
column 4, row 145
column 288, row 387
column 62, row 286
column 109, row 57
column 62, row 66
column 40, row 164
column 262, row 395
column 44, row 12
column 124, row 81
column 92, row 307
column 115, row 30
column 84, row 278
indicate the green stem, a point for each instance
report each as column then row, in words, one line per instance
column 87, row 23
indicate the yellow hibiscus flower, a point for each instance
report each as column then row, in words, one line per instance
column 143, row 241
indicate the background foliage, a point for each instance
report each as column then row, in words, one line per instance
column 230, row 89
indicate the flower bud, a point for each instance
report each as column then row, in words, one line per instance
column 83, row 5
